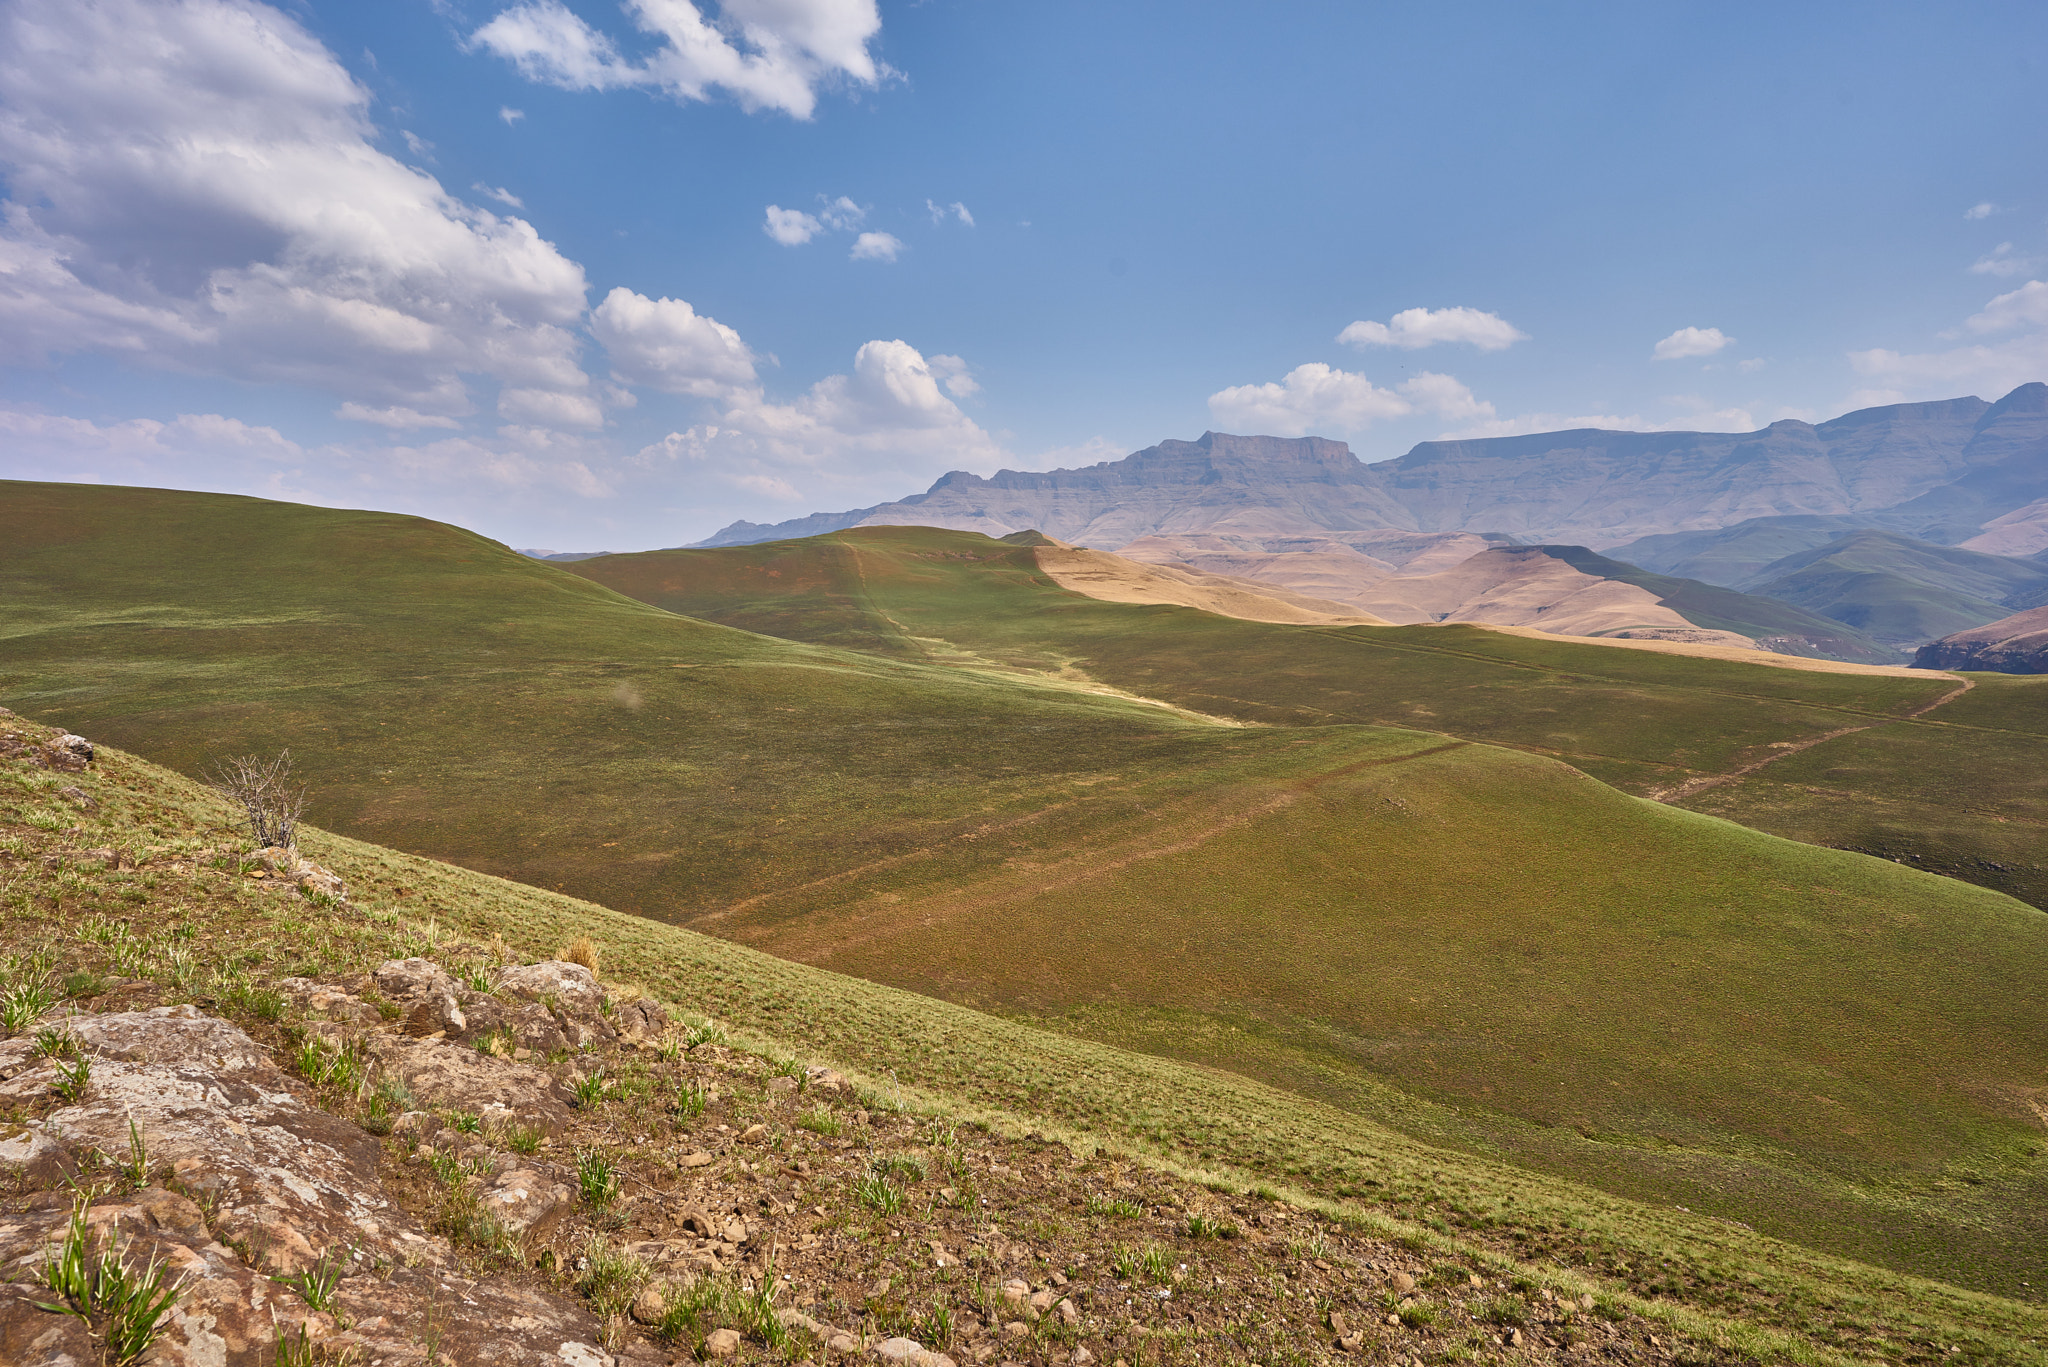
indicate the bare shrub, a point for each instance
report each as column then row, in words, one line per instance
column 267, row 793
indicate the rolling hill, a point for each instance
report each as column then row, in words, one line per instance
column 1724, row 1292
column 1143, row 824
column 1901, row 590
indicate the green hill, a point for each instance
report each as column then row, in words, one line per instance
column 1901, row 590
column 1727, row 1293
column 1647, row 723
column 1052, row 806
column 1780, row 626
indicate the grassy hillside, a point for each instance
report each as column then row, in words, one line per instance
column 983, row 816
column 1902, row 590
column 1732, row 555
column 1715, row 1282
column 1782, row 626
column 1646, row 723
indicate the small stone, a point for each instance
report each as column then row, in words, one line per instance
column 1070, row 1314
column 1015, row 1292
column 1338, row 1325
column 1403, row 1283
column 1082, row 1357
column 1514, row 1338
column 1016, row 1329
column 1041, row 1301
column 699, row 1159
column 752, row 1133
column 781, row 1084
column 651, row 1303
column 1586, row 1302
column 722, row 1343
column 842, row 1342
column 1349, row 1342
column 1474, row 1282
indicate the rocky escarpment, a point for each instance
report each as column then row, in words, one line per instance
column 1940, row 470
column 2012, row 645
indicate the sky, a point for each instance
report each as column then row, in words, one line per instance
column 583, row 274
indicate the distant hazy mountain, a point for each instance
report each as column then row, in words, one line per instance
column 1899, row 589
column 2012, row 645
column 1940, row 471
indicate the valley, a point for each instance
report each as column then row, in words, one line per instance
column 1397, row 869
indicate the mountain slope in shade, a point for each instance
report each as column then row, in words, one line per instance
column 1901, row 590
column 1733, row 555
column 2012, row 645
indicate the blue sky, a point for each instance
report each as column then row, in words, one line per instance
column 513, row 264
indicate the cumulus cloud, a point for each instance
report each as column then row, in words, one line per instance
column 841, row 215
column 209, row 451
column 1977, row 211
column 667, row 345
column 952, row 373
column 877, row 247
column 887, row 417
column 2002, row 260
column 1687, row 343
column 195, row 185
column 767, row 54
column 1415, row 328
column 790, row 227
column 956, row 210
column 396, row 418
column 2017, row 323
column 1320, row 398
column 509, row 114
column 499, row 193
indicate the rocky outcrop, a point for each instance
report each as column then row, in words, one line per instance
column 245, row 1193
column 2012, row 645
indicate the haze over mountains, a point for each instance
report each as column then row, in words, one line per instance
column 1856, row 538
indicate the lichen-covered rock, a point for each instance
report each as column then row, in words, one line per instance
column 458, row 1077
column 287, row 863
column 526, row 1201
column 572, row 986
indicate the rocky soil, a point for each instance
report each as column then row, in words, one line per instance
column 540, row 1172
column 456, row 1158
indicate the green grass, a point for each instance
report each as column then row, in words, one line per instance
column 1764, row 1298
column 1473, row 944
column 1642, row 721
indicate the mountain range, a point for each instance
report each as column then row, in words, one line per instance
column 1856, row 538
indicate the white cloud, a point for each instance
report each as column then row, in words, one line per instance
column 2026, row 306
column 399, row 419
column 952, row 372
column 1320, row 398
column 211, row 452
column 509, row 114
column 1414, row 328
column 877, row 247
column 887, row 419
column 941, row 212
column 1687, row 343
column 768, row 54
column 2001, row 260
column 790, row 227
column 667, row 345
column 1752, row 365
column 841, row 214
column 418, row 145
column 196, row 187
column 1989, row 369
column 499, row 193
column 1977, row 211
